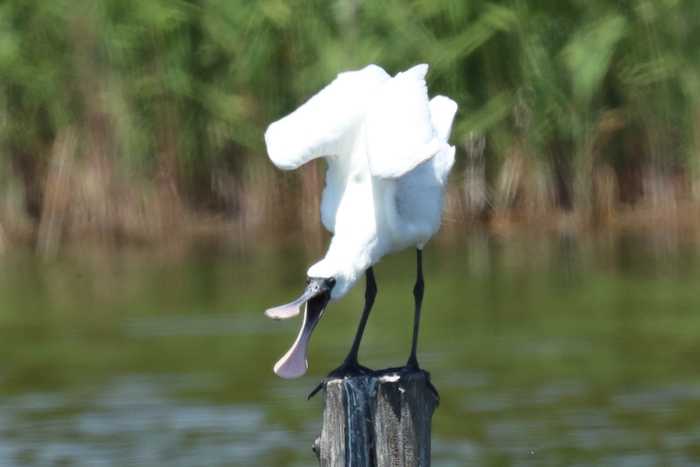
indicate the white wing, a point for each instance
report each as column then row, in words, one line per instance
column 400, row 134
column 443, row 110
column 442, row 113
column 327, row 124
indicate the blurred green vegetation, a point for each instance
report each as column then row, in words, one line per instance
column 573, row 105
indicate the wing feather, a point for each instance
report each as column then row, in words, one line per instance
column 442, row 113
column 400, row 133
column 327, row 124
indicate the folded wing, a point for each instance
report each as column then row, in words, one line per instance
column 328, row 123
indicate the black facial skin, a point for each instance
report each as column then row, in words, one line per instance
column 321, row 289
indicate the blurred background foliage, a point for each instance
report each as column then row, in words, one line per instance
column 132, row 118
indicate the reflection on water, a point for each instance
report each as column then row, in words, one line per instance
column 566, row 350
column 137, row 421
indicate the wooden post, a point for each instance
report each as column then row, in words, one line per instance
column 378, row 421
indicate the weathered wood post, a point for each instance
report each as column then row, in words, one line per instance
column 377, row 421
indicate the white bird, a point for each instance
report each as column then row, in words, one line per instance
column 388, row 161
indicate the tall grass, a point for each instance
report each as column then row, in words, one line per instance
column 590, row 108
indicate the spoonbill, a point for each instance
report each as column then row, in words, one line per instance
column 388, row 160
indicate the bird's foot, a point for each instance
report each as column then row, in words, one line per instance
column 348, row 369
column 404, row 371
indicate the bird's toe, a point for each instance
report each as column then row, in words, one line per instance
column 412, row 368
column 346, row 370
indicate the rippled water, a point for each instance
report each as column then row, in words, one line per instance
column 555, row 350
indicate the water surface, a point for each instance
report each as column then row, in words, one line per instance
column 554, row 350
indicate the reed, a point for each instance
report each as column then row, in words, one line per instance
column 577, row 108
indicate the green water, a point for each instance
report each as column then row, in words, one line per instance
column 556, row 350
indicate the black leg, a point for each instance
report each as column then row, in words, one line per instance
column 350, row 366
column 370, row 294
column 418, row 294
column 412, row 364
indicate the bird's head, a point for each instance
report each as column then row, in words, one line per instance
column 316, row 297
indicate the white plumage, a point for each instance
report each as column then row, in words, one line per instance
column 388, row 159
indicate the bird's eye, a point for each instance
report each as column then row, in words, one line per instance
column 330, row 281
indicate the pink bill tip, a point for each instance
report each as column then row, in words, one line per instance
column 283, row 312
column 293, row 364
